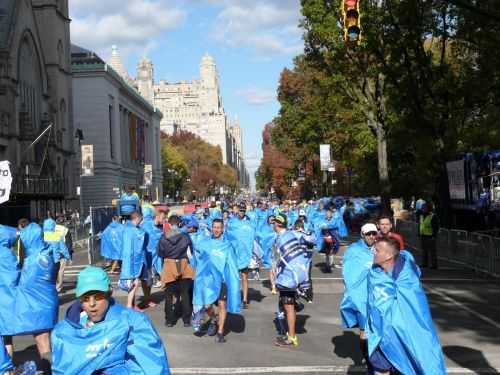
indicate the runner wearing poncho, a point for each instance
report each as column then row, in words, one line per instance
column 9, row 277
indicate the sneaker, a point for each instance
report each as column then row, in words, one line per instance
column 212, row 328
column 157, row 284
column 169, row 324
column 274, row 290
column 187, row 324
column 220, row 338
column 286, row 341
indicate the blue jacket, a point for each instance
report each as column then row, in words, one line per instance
column 215, row 264
column 36, row 300
column 133, row 252
column 59, row 248
column 125, row 342
column 292, row 267
column 399, row 320
column 9, row 276
column 5, row 360
column 357, row 262
column 154, row 234
column 242, row 234
column 112, row 241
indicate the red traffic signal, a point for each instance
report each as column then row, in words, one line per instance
column 351, row 21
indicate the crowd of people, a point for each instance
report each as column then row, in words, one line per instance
column 203, row 261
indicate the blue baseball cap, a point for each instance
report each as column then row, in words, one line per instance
column 92, row 278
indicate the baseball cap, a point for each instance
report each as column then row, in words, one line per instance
column 243, row 207
column 369, row 227
column 192, row 224
column 92, row 278
column 281, row 219
column 302, row 213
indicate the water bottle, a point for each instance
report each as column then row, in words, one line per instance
column 27, row 368
column 281, row 323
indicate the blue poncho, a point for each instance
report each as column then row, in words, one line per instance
column 36, row 300
column 339, row 221
column 292, row 268
column 5, row 360
column 9, row 276
column 400, row 323
column 242, row 235
column 215, row 264
column 124, row 343
column 133, row 252
column 266, row 236
column 55, row 241
column 356, row 265
column 112, row 241
column 321, row 223
column 154, row 234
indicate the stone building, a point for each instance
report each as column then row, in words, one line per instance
column 35, row 95
column 122, row 126
column 194, row 106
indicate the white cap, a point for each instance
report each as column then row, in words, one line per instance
column 302, row 213
column 369, row 227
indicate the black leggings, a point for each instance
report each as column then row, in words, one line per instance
column 183, row 290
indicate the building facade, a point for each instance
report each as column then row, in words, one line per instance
column 122, row 126
column 194, row 106
column 35, row 103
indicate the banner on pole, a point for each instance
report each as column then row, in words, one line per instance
column 87, row 160
column 5, row 181
column 148, row 174
column 324, row 157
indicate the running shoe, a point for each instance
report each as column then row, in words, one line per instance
column 274, row 290
column 212, row 328
column 220, row 338
column 287, row 341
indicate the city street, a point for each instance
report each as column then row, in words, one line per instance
column 464, row 311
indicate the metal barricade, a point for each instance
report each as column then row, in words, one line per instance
column 477, row 251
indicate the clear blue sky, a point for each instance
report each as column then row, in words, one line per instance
column 251, row 41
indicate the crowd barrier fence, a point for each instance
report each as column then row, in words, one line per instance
column 477, row 251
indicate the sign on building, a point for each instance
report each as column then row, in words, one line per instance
column 87, row 160
column 5, row 181
column 324, row 157
column 148, row 174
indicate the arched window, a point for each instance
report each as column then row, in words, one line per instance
column 60, row 54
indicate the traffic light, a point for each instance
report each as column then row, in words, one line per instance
column 351, row 20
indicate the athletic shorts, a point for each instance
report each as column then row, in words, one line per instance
column 380, row 362
column 223, row 292
column 245, row 270
column 287, row 293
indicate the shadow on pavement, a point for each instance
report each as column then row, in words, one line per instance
column 347, row 346
column 469, row 358
column 255, row 295
column 235, row 323
column 300, row 323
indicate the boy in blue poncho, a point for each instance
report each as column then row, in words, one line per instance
column 59, row 249
column 357, row 262
column 216, row 282
column 401, row 334
column 98, row 335
column 112, row 242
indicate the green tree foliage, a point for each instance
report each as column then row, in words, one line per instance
column 192, row 165
column 421, row 87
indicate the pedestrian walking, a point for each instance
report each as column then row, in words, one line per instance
column 428, row 229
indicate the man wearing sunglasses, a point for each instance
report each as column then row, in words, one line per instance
column 356, row 265
column 98, row 335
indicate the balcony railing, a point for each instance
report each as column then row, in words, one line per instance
column 40, row 186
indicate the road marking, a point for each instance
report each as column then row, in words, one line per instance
column 309, row 369
column 462, row 306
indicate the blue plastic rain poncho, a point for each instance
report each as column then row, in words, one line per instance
column 55, row 240
column 128, row 203
column 133, row 252
column 112, row 241
column 154, row 234
column 242, row 234
column 399, row 320
column 5, row 360
column 9, row 276
column 125, row 342
column 320, row 224
column 216, row 263
column 292, row 267
column 36, row 301
column 356, row 264
column 339, row 221
column 266, row 236
column 261, row 216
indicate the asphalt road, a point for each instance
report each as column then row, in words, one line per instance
column 466, row 312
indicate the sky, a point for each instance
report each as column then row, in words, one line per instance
column 252, row 41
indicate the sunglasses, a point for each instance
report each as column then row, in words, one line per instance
column 98, row 296
column 370, row 234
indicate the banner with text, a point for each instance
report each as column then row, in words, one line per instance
column 5, row 181
column 324, row 157
column 87, row 160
